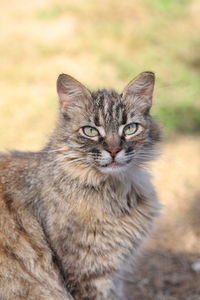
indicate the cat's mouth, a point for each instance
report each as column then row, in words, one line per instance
column 115, row 164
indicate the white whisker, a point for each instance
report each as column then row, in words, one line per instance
column 51, row 151
column 67, row 162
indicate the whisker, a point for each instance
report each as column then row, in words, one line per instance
column 51, row 151
column 61, row 159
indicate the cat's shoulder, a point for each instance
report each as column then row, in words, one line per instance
column 10, row 161
column 16, row 158
column 5, row 160
column 13, row 165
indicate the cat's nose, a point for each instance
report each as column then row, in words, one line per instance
column 113, row 151
column 113, row 144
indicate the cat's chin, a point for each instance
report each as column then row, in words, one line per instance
column 114, row 169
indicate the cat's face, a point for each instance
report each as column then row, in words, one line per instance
column 106, row 130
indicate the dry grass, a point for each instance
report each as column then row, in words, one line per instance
column 177, row 180
column 102, row 43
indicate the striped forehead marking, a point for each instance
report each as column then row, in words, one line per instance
column 109, row 108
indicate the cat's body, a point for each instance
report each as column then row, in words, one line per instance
column 71, row 216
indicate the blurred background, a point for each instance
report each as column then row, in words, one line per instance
column 105, row 44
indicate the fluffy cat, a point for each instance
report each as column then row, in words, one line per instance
column 73, row 215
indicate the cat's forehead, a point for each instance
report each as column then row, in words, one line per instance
column 103, row 96
column 108, row 108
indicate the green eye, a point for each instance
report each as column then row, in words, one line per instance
column 130, row 128
column 90, row 131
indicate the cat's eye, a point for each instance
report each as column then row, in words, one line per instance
column 90, row 131
column 130, row 129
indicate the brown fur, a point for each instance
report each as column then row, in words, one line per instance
column 67, row 230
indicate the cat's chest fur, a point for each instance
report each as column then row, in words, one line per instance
column 97, row 228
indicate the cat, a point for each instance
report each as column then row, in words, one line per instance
column 74, row 215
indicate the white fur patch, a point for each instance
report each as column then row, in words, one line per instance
column 120, row 158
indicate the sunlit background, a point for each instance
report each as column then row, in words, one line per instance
column 105, row 44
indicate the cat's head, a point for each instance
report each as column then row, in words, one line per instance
column 105, row 130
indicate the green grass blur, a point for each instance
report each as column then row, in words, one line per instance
column 103, row 44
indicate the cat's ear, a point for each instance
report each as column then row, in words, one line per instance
column 140, row 91
column 70, row 91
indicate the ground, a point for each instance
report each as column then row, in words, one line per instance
column 164, row 275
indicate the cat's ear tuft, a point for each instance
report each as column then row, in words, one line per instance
column 140, row 90
column 70, row 91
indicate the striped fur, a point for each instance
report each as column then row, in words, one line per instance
column 74, row 215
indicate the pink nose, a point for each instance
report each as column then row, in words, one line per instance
column 114, row 152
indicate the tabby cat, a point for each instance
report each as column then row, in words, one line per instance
column 73, row 215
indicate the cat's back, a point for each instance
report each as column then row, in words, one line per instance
column 14, row 172
column 27, row 270
column 15, row 219
column 18, row 227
